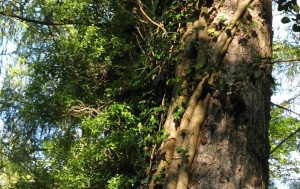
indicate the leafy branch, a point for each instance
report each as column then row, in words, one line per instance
column 284, row 140
column 45, row 22
column 290, row 135
column 41, row 22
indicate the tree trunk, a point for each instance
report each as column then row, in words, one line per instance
column 221, row 139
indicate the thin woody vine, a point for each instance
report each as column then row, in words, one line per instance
column 195, row 72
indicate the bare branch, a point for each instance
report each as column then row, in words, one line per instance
column 46, row 23
column 41, row 22
column 287, row 60
column 82, row 110
column 285, row 108
column 138, row 43
column 148, row 18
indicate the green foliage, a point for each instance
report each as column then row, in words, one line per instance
column 178, row 112
column 286, row 51
column 182, row 152
column 283, row 163
column 120, row 181
column 106, row 145
column 79, row 103
column 281, row 126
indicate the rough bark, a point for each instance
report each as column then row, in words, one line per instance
column 223, row 133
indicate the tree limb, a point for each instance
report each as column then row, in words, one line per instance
column 290, row 135
column 148, row 18
column 41, row 22
column 44, row 22
column 283, row 141
column 287, row 60
column 285, row 108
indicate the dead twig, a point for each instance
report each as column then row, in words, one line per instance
column 148, row 18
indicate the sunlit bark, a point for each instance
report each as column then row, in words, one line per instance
column 221, row 140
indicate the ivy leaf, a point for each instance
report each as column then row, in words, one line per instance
column 145, row 180
column 295, row 8
column 179, row 149
column 280, row 7
column 296, row 28
column 285, row 20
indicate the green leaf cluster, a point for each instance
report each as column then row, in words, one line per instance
column 291, row 9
